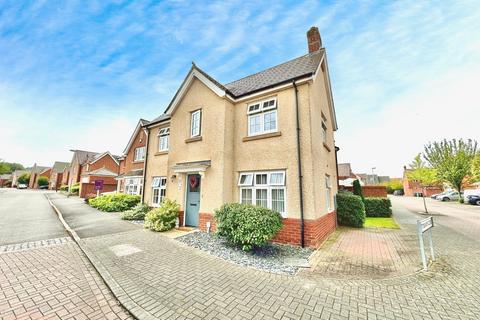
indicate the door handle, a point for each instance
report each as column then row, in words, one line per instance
column 193, row 204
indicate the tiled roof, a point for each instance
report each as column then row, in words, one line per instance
column 287, row 71
column 60, row 166
column 160, row 118
column 144, row 122
column 38, row 169
column 101, row 172
column 84, row 156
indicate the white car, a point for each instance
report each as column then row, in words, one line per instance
column 452, row 195
column 22, row 186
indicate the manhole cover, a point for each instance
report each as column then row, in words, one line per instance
column 124, row 250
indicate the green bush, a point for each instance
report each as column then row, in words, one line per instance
column 357, row 189
column 164, row 217
column 75, row 188
column 350, row 210
column 114, row 202
column 246, row 225
column 42, row 181
column 24, row 178
column 63, row 187
column 378, row 207
column 136, row 213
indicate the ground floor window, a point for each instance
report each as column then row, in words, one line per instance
column 266, row 189
column 133, row 186
column 159, row 190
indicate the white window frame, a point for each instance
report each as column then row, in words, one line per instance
column 248, row 180
column 133, row 185
column 262, row 112
column 159, row 187
column 269, row 187
column 139, row 154
column 195, row 131
column 163, row 139
column 324, row 132
column 328, row 193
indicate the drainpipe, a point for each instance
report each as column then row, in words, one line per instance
column 300, row 176
column 147, row 132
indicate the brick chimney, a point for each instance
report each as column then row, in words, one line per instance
column 314, row 40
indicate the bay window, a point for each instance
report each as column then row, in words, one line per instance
column 266, row 189
column 159, row 190
column 262, row 117
column 133, row 185
column 163, row 139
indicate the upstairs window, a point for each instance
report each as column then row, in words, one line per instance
column 139, row 154
column 266, row 189
column 195, row 123
column 262, row 117
column 324, row 132
column 163, row 139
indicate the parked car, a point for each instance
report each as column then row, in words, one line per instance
column 452, row 195
column 474, row 199
column 22, row 186
column 398, row 193
column 44, row 187
column 434, row 196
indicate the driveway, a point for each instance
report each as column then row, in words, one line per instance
column 43, row 273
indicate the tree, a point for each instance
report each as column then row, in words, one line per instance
column 24, row 178
column 42, row 181
column 426, row 177
column 7, row 167
column 452, row 160
column 357, row 189
column 476, row 168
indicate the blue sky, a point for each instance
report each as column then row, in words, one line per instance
column 79, row 74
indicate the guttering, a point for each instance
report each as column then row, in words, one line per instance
column 300, row 176
column 147, row 132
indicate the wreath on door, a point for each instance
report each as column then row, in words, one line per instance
column 193, row 181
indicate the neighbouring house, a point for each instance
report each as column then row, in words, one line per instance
column 65, row 175
column 346, row 175
column 103, row 168
column 36, row 172
column 414, row 188
column 5, row 179
column 80, row 157
column 57, row 173
column 265, row 139
column 16, row 174
column 130, row 180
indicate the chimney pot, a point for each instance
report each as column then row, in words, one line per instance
column 314, row 40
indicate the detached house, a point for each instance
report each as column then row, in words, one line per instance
column 132, row 162
column 57, row 174
column 35, row 173
column 265, row 139
column 80, row 157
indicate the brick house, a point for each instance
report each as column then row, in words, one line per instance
column 80, row 157
column 5, row 179
column 58, row 169
column 132, row 162
column 265, row 139
column 36, row 172
column 65, row 176
column 16, row 174
column 103, row 167
column 414, row 188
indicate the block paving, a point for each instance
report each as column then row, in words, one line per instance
column 51, row 279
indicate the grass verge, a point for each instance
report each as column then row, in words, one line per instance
column 377, row 222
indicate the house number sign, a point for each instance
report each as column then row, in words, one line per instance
column 425, row 226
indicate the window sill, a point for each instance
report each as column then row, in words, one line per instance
column 326, row 147
column 159, row 153
column 262, row 136
column 138, row 161
column 193, row 139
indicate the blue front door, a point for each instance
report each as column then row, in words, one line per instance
column 193, row 200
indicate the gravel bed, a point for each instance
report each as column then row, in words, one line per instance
column 137, row 222
column 276, row 258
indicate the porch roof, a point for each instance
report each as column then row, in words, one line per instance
column 195, row 166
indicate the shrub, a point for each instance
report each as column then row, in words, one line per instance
column 378, row 207
column 42, row 181
column 357, row 189
column 136, row 213
column 164, row 217
column 350, row 210
column 24, row 178
column 75, row 188
column 114, row 202
column 63, row 187
column 246, row 225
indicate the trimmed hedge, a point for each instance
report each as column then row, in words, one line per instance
column 63, row 187
column 164, row 217
column 246, row 225
column 75, row 188
column 350, row 210
column 136, row 213
column 114, row 202
column 378, row 207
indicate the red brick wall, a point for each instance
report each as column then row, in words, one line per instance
column 87, row 188
column 105, row 162
column 128, row 163
column 315, row 230
column 372, row 191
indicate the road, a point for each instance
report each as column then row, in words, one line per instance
column 43, row 273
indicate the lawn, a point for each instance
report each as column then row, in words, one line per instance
column 375, row 222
